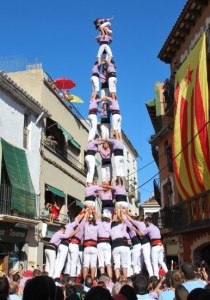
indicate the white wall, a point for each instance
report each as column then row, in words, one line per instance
column 11, row 129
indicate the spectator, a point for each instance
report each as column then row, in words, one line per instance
column 40, row 288
column 181, row 292
column 98, row 293
column 116, row 288
column 13, row 291
column 129, row 292
column 176, row 279
column 4, row 288
column 141, row 287
column 190, row 280
column 16, row 278
column 88, row 283
column 59, row 295
column 196, row 294
column 37, row 272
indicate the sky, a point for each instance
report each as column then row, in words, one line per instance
column 61, row 35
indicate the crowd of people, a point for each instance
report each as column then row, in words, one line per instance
column 184, row 283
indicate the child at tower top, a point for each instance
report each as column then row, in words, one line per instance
column 103, row 25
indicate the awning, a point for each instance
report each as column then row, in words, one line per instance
column 75, row 144
column 23, row 197
column 55, row 191
column 69, row 137
column 79, row 203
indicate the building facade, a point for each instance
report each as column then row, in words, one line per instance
column 184, row 220
column 21, row 119
column 64, row 138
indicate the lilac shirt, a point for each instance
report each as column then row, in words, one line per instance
column 119, row 190
column 106, row 195
column 80, row 233
column 104, row 38
column 92, row 190
column 140, row 225
column 95, row 69
column 132, row 232
column 90, row 232
column 116, row 144
column 103, row 229
column 118, row 231
column 93, row 145
column 94, row 104
column 114, row 105
column 70, row 227
column 105, row 113
column 58, row 237
column 110, row 67
column 105, row 153
column 152, row 231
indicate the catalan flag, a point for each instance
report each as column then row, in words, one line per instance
column 191, row 140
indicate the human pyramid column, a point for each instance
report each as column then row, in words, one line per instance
column 113, row 195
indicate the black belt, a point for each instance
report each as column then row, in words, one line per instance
column 115, row 112
column 144, row 240
column 91, row 152
column 111, row 74
column 93, row 112
column 104, row 85
column 118, row 152
column 117, row 243
column 106, row 161
column 135, row 240
column 95, row 74
column 105, row 121
column 90, row 198
column 65, row 242
column 107, row 203
column 104, row 43
column 121, row 198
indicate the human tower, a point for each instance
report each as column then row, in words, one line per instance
column 111, row 241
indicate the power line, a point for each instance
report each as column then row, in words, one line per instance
column 173, row 158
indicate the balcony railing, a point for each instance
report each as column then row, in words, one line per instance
column 62, row 218
column 190, row 214
column 65, row 155
column 5, row 204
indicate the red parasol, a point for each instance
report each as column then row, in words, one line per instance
column 64, row 83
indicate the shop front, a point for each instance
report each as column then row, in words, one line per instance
column 12, row 241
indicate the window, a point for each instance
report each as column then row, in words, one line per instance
column 134, row 164
column 25, row 132
column 128, row 156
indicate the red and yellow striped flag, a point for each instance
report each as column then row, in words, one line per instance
column 191, row 141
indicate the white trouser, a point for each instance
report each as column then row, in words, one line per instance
column 146, row 253
column 120, row 257
column 104, row 92
column 119, row 165
column 106, row 172
column 95, row 83
column 108, row 51
column 88, row 203
column 91, row 162
column 105, row 130
column 60, row 259
column 80, row 262
column 92, row 118
column 104, row 254
column 135, row 258
column 130, row 270
column 50, row 261
column 121, row 204
column 74, row 256
column 116, row 122
column 90, row 257
column 157, row 258
column 112, row 82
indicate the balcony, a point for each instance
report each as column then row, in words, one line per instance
column 62, row 219
column 7, row 214
column 169, row 96
column 156, row 186
column 64, row 155
column 187, row 215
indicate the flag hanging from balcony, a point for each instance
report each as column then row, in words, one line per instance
column 191, row 141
